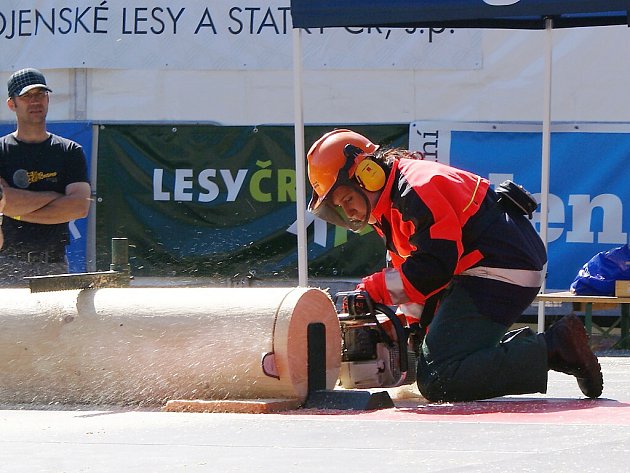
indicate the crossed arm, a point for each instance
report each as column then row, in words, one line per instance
column 47, row 207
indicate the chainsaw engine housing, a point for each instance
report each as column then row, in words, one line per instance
column 371, row 357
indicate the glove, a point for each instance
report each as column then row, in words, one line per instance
column 374, row 285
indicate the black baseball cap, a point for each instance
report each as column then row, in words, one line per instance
column 24, row 80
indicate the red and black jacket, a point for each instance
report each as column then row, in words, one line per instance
column 429, row 215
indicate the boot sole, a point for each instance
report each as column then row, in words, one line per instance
column 590, row 378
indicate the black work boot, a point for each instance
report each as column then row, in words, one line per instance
column 568, row 351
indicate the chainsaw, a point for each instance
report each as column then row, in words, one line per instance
column 375, row 349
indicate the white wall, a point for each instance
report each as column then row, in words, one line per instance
column 591, row 73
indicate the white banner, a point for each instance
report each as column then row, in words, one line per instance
column 222, row 34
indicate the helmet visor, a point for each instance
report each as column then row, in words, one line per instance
column 335, row 214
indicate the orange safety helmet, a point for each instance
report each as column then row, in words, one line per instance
column 329, row 164
column 326, row 159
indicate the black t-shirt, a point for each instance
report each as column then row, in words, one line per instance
column 47, row 166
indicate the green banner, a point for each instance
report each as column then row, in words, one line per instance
column 214, row 201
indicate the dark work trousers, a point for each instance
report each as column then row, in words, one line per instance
column 468, row 353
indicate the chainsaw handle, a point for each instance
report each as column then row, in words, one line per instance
column 351, row 298
column 401, row 333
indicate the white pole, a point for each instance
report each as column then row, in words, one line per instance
column 300, row 173
column 546, row 148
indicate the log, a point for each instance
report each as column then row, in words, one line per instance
column 146, row 346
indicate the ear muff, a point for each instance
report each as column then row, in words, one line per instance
column 370, row 175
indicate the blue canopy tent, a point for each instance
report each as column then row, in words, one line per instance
column 498, row 14
column 495, row 14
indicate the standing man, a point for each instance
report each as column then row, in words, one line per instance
column 450, row 236
column 45, row 181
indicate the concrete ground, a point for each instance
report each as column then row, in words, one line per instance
column 559, row 431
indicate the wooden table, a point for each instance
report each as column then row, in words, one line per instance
column 623, row 321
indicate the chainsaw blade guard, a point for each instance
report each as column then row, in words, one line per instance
column 372, row 357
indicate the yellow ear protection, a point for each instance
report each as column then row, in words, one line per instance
column 368, row 173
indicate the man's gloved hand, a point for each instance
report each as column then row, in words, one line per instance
column 375, row 286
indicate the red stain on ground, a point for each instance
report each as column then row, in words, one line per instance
column 504, row 410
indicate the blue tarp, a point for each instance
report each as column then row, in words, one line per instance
column 521, row 14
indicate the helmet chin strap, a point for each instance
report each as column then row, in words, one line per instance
column 368, row 207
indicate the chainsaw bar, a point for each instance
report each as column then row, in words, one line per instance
column 65, row 282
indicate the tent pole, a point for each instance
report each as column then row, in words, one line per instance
column 546, row 158
column 300, row 174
